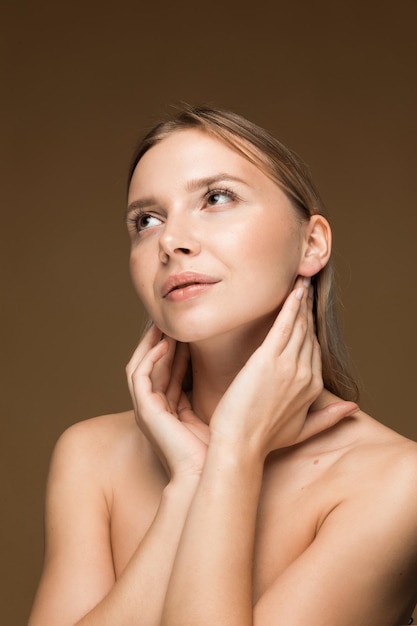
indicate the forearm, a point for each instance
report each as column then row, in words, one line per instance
column 137, row 598
column 211, row 582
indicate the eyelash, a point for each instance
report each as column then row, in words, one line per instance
column 138, row 214
column 226, row 191
column 135, row 218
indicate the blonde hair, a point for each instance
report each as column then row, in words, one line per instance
column 290, row 173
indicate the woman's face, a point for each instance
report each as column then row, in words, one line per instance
column 216, row 245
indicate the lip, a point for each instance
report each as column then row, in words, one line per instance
column 186, row 279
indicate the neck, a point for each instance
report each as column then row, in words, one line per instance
column 216, row 362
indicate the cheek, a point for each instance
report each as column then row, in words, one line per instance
column 274, row 253
column 138, row 274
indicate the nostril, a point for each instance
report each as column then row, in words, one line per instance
column 184, row 250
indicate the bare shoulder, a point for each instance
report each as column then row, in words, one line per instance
column 377, row 476
column 101, row 448
column 356, row 485
column 371, row 527
column 93, row 461
column 101, row 436
column 381, row 456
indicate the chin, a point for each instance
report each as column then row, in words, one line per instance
column 187, row 335
column 244, row 330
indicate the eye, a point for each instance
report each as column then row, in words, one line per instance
column 143, row 221
column 219, row 196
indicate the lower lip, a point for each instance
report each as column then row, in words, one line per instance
column 189, row 292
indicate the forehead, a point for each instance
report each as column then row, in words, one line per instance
column 192, row 154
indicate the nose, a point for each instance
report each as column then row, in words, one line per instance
column 179, row 237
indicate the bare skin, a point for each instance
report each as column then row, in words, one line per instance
column 259, row 499
column 314, row 497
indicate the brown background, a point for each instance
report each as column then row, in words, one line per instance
column 336, row 81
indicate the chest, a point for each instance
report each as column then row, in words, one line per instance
column 290, row 508
column 294, row 501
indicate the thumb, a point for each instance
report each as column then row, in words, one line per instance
column 194, row 423
column 321, row 419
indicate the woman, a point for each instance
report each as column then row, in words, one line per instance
column 246, row 487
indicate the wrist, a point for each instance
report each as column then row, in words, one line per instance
column 241, row 450
column 237, row 455
column 181, row 486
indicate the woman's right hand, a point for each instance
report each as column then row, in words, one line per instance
column 163, row 412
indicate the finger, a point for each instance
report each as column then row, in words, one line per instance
column 316, row 361
column 178, row 371
column 322, row 419
column 185, row 411
column 161, row 372
column 306, row 353
column 149, row 339
column 141, row 376
column 283, row 327
column 301, row 340
column 307, row 348
column 194, row 423
column 140, row 383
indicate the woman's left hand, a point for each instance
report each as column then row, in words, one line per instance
column 267, row 404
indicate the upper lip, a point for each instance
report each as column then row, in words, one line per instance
column 184, row 279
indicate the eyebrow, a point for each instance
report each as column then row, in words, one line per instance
column 143, row 203
column 198, row 183
column 191, row 186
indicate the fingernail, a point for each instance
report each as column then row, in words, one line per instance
column 306, row 281
column 299, row 293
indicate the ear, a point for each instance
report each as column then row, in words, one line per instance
column 317, row 246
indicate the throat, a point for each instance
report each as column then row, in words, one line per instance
column 216, row 362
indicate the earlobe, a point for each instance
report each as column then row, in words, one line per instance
column 317, row 246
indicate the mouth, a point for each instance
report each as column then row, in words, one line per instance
column 186, row 280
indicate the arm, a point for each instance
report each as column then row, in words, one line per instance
column 138, row 596
column 362, row 567
column 78, row 567
column 78, row 581
column 217, row 545
column 360, row 570
column 264, row 409
column 78, row 584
